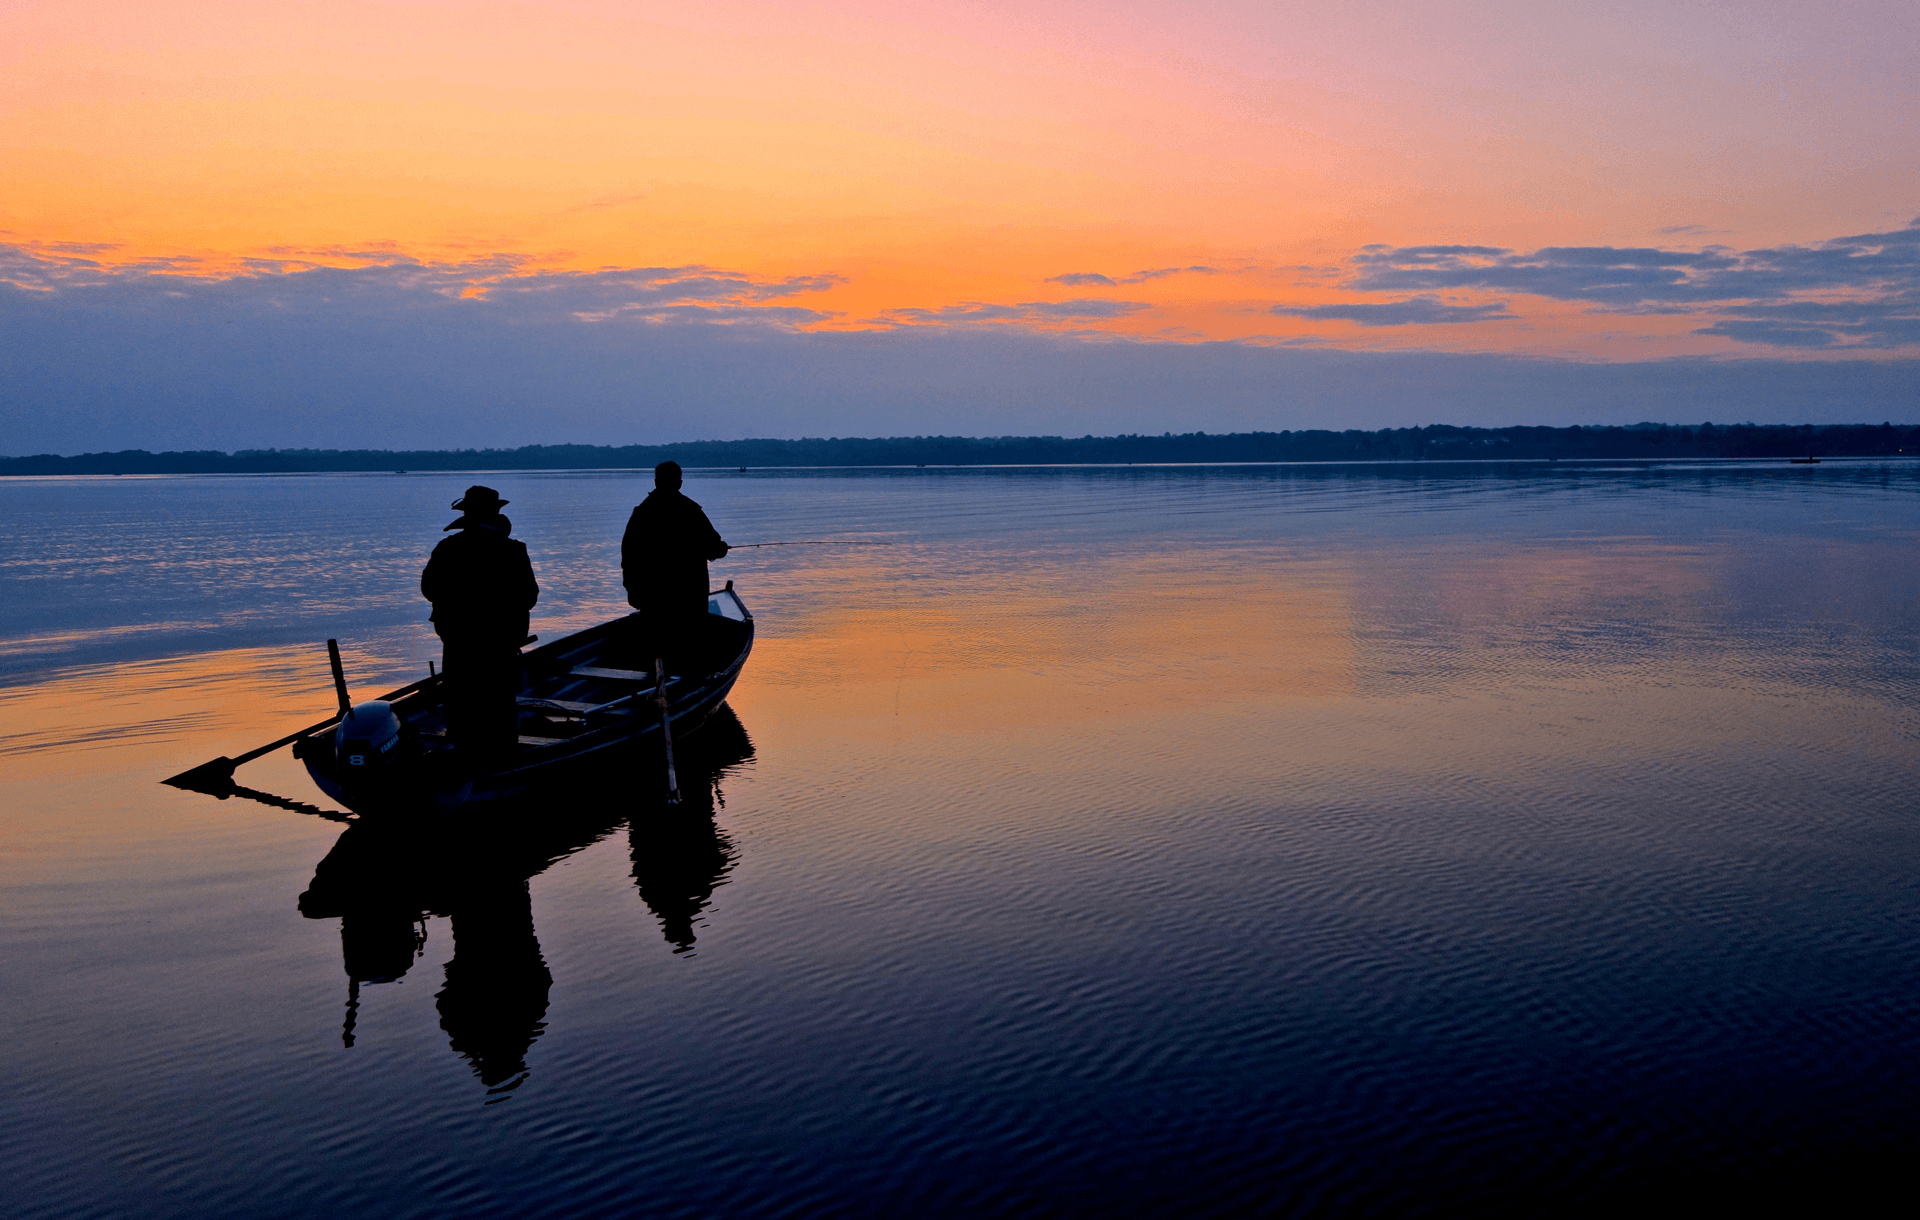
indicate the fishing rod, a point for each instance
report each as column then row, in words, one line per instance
column 746, row 546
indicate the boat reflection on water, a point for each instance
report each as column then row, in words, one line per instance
column 678, row 861
column 385, row 878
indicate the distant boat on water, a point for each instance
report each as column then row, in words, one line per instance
column 1809, row 460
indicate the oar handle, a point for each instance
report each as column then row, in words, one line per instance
column 339, row 676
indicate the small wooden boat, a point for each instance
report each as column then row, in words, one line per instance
column 587, row 701
column 1809, row 460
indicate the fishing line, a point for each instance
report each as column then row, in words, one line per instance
column 745, row 546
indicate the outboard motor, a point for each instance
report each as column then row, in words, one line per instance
column 366, row 739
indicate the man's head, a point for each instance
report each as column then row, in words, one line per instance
column 480, row 501
column 480, row 506
column 666, row 476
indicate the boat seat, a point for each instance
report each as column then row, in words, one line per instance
column 564, row 704
column 622, row 706
column 611, row 675
column 542, row 741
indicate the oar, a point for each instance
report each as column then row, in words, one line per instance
column 215, row 778
column 666, row 729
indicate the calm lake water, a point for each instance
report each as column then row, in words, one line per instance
column 1129, row 841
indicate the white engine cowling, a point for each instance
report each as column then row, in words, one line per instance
column 366, row 738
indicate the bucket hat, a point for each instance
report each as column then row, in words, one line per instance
column 480, row 500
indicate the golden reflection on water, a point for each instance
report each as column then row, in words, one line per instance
column 85, row 748
column 1128, row 638
column 1401, row 633
column 1284, row 677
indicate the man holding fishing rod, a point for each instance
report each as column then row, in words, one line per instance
column 663, row 564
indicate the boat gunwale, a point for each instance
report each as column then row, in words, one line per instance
column 698, row 701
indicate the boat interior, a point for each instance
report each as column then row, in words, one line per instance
column 587, row 681
column 569, row 691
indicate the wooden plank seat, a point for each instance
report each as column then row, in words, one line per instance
column 568, row 705
column 611, row 675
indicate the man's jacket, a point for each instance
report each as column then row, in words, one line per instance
column 481, row 584
column 663, row 557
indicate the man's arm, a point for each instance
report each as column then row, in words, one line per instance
column 430, row 578
column 715, row 547
column 530, row 588
column 630, row 544
column 633, row 555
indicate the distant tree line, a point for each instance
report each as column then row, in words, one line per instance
column 1440, row 442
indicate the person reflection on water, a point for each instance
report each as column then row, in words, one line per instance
column 481, row 584
column 663, row 564
column 494, row 1005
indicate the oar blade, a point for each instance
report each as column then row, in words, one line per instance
column 214, row 778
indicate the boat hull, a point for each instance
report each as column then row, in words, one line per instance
column 587, row 688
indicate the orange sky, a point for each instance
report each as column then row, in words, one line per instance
column 968, row 153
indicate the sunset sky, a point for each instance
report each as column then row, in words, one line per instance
column 368, row 224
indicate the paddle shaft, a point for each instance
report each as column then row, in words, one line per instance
column 290, row 738
column 666, row 729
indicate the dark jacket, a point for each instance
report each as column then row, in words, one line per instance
column 481, row 584
column 663, row 557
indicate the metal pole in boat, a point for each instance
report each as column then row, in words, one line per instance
column 666, row 728
column 339, row 677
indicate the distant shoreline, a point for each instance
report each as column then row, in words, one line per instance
column 1439, row 442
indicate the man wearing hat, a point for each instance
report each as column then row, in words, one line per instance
column 663, row 564
column 481, row 584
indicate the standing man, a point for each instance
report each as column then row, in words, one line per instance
column 481, row 584
column 663, row 564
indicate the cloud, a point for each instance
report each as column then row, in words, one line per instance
column 399, row 352
column 1085, row 308
column 1778, row 334
column 1618, row 276
column 395, row 357
column 1161, row 273
column 1627, row 276
column 639, row 289
column 719, row 315
column 1858, row 291
column 1080, row 279
column 385, row 281
column 1885, row 323
column 1426, row 310
column 1027, row 312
